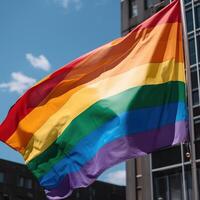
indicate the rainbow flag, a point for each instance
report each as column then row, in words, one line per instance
column 123, row 100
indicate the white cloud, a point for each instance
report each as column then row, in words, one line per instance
column 66, row 3
column 116, row 177
column 19, row 83
column 40, row 62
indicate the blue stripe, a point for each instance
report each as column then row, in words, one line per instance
column 127, row 123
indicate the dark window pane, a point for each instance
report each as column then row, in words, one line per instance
column 145, row 5
column 1, row 177
column 77, row 195
column 133, row 9
column 197, row 145
column 161, row 158
column 161, row 188
column 175, row 185
column 28, row 183
column 188, row 181
column 20, row 181
column 168, row 184
column 194, row 78
column 192, row 52
column 196, row 111
column 187, row 1
column 198, row 176
column 148, row 4
column 24, row 182
column 198, row 46
column 197, row 129
column 189, row 20
column 195, row 97
column 197, row 16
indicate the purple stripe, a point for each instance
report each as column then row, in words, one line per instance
column 118, row 151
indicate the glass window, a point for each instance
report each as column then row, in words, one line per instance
column 168, row 185
column 198, row 176
column 161, row 188
column 197, row 148
column 94, row 193
column 188, row 182
column 198, row 46
column 148, row 4
column 175, row 186
column 133, row 9
column 196, row 111
column 20, row 182
column 77, row 195
column 195, row 97
column 24, row 182
column 197, row 16
column 187, row 1
column 194, row 78
column 161, row 158
column 189, row 20
column 28, row 183
column 192, row 52
column 1, row 177
column 197, row 128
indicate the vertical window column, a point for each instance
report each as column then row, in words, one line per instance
column 197, row 16
column 133, row 8
column 195, row 90
column 189, row 20
column 148, row 4
column 2, row 177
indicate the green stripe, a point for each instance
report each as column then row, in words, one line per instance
column 101, row 112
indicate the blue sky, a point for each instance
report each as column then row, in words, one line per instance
column 39, row 36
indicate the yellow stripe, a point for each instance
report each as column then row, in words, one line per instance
column 88, row 95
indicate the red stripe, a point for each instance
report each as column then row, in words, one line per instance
column 32, row 98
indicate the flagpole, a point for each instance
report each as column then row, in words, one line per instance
column 195, row 194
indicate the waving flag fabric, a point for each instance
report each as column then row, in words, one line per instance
column 122, row 100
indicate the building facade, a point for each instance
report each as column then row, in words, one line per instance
column 99, row 191
column 167, row 174
column 18, row 183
